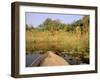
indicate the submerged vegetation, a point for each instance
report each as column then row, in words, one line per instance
column 56, row 36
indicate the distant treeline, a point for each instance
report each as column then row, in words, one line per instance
column 49, row 24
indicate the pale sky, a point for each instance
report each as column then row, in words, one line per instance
column 36, row 19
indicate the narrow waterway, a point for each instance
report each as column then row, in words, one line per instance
column 33, row 56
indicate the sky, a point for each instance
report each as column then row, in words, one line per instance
column 36, row 19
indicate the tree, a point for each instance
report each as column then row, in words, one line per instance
column 85, row 22
column 50, row 24
column 29, row 27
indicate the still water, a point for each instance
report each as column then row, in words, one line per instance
column 31, row 57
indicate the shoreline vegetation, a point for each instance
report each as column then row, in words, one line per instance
column 52, row 35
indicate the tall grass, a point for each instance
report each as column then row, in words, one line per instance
column 57, row 40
